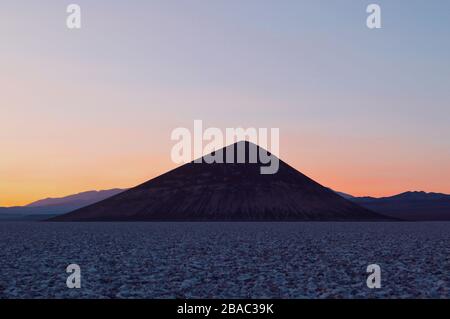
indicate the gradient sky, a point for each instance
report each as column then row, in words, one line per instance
column 362, row 111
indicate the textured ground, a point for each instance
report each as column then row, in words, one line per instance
column 224, row 260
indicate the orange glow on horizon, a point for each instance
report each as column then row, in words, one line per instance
column 348, row 178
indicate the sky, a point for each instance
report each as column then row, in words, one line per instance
column 362, row 111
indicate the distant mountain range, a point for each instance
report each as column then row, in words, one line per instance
column 50, row 207
column 77, row 200
column 409, row 205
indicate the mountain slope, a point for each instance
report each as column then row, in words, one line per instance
column 345, row 195
column 410, row 205
column 79, row 200
column 223, row 191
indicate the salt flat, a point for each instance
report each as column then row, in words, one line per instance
column 225, row 260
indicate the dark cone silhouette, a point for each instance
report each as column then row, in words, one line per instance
column 226, row 192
